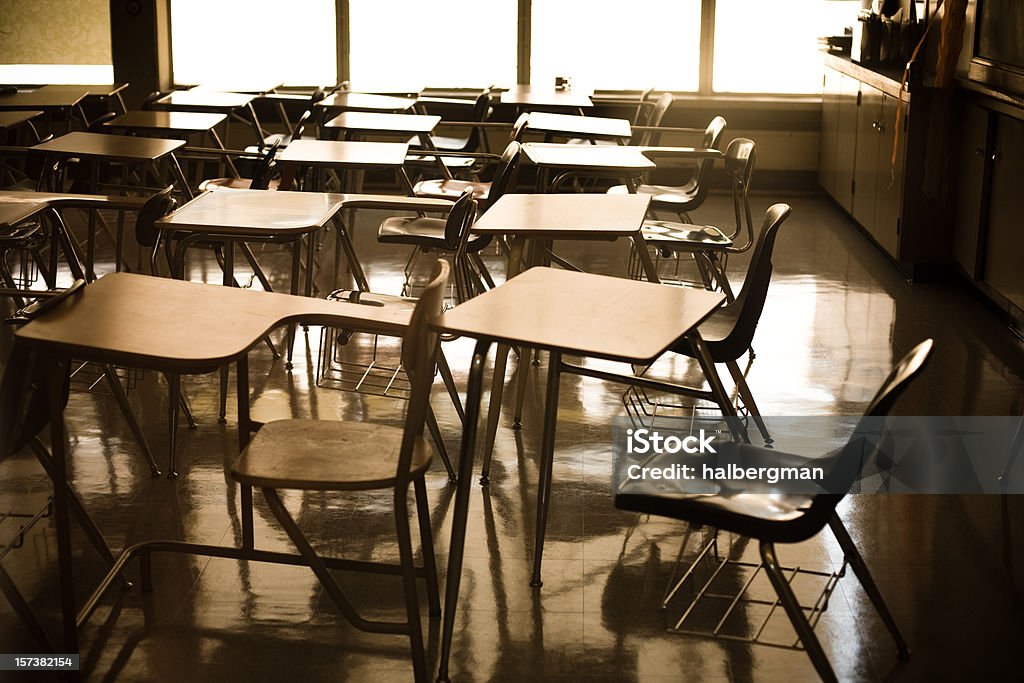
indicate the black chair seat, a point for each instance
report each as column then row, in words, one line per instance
column 423, row 232
column 684, row 236
column 451, row 189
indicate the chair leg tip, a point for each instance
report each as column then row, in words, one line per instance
column 172, row 474
column 517, row 424
column 536, row 582
column 904, row 654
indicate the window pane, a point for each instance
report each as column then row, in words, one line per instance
column 235, row 43
column 614, row 45
column 403, row 45
column 768, row 47
column 54, row 41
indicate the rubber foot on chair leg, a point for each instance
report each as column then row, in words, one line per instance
column 222, row 420
column 155, row 473
column 535, row 582
column 443, row 678
column 769, row 441
column 536, row 362
column 517, row 423
column 484, row 481
column 288, row 365
column 173, row 474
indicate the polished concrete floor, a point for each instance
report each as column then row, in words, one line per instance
column 838, row 315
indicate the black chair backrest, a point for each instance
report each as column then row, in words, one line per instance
column 481, row 112
column 655, row 118
column 318, row 94
column 8, row 90
column 506, row 174
column 519, row 127
column 702, row 172
column 151, row 99
column 300, row 126
column 740, row 157
column 749, row 302
column 643, row 108
column 263, row 170
column 419, row 355
column 156, row 207
column 97, row 124
column 460, row 218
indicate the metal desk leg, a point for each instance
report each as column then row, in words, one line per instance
column 176, row 167
column 494, row 410
column 220, row 144
column 460, row 513
column 58, row 372
column 229, row 281
column 644, row 254
column 547, row 459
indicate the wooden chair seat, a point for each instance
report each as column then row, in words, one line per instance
column 326, row 455
column 451, row 189
column 684, row 237
column 423, row 232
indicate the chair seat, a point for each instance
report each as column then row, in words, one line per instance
column 675, row 198
column 232, row 184
column 451, row 189
column 760, row 510
column 423, row 232
column 683, row 236
column 448, row 143
column 453, row 163
column 326, row 455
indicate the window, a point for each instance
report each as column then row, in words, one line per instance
column 231, row 43
column 42, row 41
column 614, row 45
column 404, row 45
column 767, row 47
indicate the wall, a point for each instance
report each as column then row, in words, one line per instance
column 54, row 32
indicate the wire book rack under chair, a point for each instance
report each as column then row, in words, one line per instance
column 770, row 515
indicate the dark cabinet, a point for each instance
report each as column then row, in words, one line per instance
column 1004, row 239
column 972, row 164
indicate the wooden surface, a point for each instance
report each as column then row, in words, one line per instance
column 247, row 87
column 204, row 100
column 93, row 90
column 579, row 126
column 102, row 146
column 345, row 153
column 610, row 158
column 375, row 122
column 43, row 98
column 579, row 313
column 254, row 212
column 186, row 327
column 190, row 122
column 565, row 216
column 9, row 119
column 357, row 101
column 527, row 95
column 16, row 205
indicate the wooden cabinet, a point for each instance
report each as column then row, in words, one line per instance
column 972, row 168
column 858, row 133
column 1004, row 237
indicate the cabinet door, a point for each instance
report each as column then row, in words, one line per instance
column 1004, row 253
column 971, row 159
column 866, row 166
column 847, row 140
column 829, row 145
column 889, row 191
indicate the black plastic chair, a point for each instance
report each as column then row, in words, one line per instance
column 262, row 173
column 710, row 245
column 486, row 193
column 793, row 517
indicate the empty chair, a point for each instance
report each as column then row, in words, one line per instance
column 681, row 199
column 486, row 193
column 321, row 455
column 786, row 517
column 262, row 173
column 708, row 244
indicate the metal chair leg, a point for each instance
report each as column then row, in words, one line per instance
column 173, row 404
column 522, row 377
column 427, row 543
column 748, row 400
column 796, row 614
column 547, row 455
column 412, row 603
column 129, row 415
column 860, row 568
column 449, row 384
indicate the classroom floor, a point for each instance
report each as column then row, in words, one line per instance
column 837, row 317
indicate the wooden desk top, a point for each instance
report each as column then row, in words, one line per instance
column 178, row 121
column 204, row 100
column 583, row 314
column 529, row 95
column 565, row 216
column 101, row 146
column 579, row 126
column 374, row 122
column 44, row 98
column 19, row 205
column 254, row 212
column 93, row 90
column 10, row 119
column 187, row 327
column 345, row 153
column 609, row 158
column 357, row 101
column 251, row 87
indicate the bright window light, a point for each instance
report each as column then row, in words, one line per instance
column 245, row 44
column 405, row 45
column 614, row 45
column 763, row 47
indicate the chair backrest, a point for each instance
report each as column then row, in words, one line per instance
column 481, row 112
column 319, row 94
column 151, row 99
column 643, row 108
column 749, row 302
column 506, row 173
column 740, row 157
column 419, row 355
column 96, row 126
column 300, row 126
column 701, row 177
column 264, row 168
column 519, row 127
column 460, row 217
column 156, row 207
column 655, row 118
